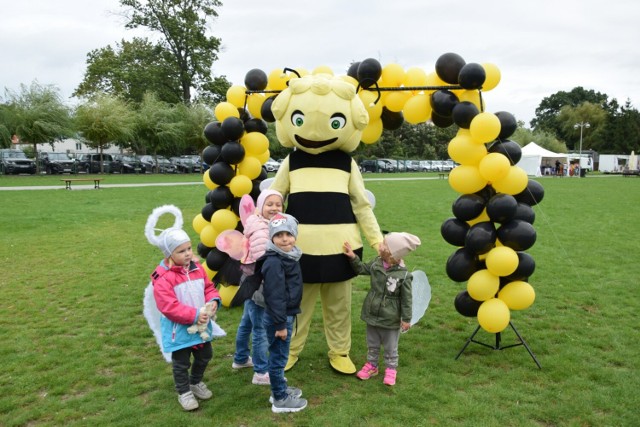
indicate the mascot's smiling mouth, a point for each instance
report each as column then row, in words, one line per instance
column 307, row 143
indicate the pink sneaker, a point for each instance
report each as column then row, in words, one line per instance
column 367, row 371
column 390, row 376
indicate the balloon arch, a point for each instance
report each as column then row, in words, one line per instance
column 492, row 222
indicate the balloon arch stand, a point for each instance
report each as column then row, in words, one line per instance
column 492, row 226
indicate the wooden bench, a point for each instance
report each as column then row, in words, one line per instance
column 443, row 175
column 68, row 181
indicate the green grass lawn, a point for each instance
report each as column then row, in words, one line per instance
column 76, row 349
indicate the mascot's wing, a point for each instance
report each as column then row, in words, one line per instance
column 247, row 208
column 233, row 243
column 420, row 294
column 152, row 314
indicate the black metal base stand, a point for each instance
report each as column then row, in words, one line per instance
column 498, row 345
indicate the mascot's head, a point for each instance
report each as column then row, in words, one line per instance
column 319, row 113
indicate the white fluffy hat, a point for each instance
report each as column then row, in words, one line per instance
column 168, row 240
column 400, row 244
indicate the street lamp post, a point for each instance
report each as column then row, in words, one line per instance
column 581, row 125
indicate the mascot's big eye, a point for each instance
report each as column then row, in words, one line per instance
column 337, row 121
column 297, row 118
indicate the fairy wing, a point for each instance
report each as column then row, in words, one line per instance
column 233, row 243
column 247, row 208
column 420, row 294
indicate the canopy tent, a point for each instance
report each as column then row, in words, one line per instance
column 534, row 156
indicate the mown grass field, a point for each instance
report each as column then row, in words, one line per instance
column 76, row 349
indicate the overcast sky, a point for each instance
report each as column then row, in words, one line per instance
column 541, row 47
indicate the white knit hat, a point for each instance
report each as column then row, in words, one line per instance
column 168, row 240
column 400, row 244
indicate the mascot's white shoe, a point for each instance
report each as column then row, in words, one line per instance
column 343, row 364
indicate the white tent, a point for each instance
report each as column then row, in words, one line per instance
column 534, row 156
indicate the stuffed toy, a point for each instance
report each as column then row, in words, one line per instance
column 210, row 309
column 322, row 118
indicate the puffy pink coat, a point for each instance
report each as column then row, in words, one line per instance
column 256, row 231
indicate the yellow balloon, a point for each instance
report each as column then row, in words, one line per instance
column 472, row 96
column 372, row 132
column 369, row 100
column 494, row 166
column 278, row 79
column 323, row 69
column 485, row 127
column 493, row 76
column 392, row 75
column 518, row 295
column 254, row 143
column 236, row 95
column 463, row 150
column 434, row 80
column 395, row 100
column 225, row 110
column 199, row 223
column 254, row 104
column 227, row 293
column 250, row 167
column 494, row 315
column 240, row 185
column 415, row 76
column 483, row 285
column 210, row 272
column 483, row 217
column 207, row 180
column 263, row 157
column 208, row 236
column 224, row 219
column 502, row 261
column 417, row 109
column 514, row 182
column 466, row 179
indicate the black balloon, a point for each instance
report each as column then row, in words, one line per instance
column 353, row 70
column 532, row 195
column 207, row 211
column 508, row 124
column 448, row 67
column 233, row 128
column 211, row 154
column 265, row 110
column 526, row 267
column 454, row 231
column 468, row 206
column 502, row 208
column 391, row 120
column 472, row 76
column 463, row 113
column 441, row 121
column 232, row 152
column 255, row 190
column 466, row 305
column 256, row 125
column 203, row 250
column 221, row 173
column 220, row 197
column 461, row 265
column 481, row 238
column 256, row 79
column 486, row 193
column 369, row 71
column 213, row 133
column 215, row 259
column 525, row 213
column 508, row 148
column 442, row 102
column 517, row 234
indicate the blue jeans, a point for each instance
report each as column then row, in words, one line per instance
column 278, row 355
column 251, row 327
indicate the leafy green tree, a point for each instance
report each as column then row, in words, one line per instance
column 182, row 27
column 7, row 122
column 570, row 116
column 129, row 70
column 622, row 131
column 37, row 115
column 105, row 120
column 523, row 136
column 549, row 108
column 159, row 128
column 193, row 118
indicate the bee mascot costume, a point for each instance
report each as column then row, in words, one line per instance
column 322, row 118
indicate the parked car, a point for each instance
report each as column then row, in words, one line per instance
column 163, row 165
column 123, row 163
column 271, row 165
column 15, row 162
column 412, row 165
column 376, row 166
column 56, row 163
column 397, row 165
column 426, row 166
column 186, row 164
column 95, row 163
column 198, row 164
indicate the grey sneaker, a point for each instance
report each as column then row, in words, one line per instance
column 201, row 391
column 188, row 401
column 291, row 391
column 289, row 404
column 247, row 364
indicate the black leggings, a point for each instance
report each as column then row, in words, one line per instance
column 182, row 362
